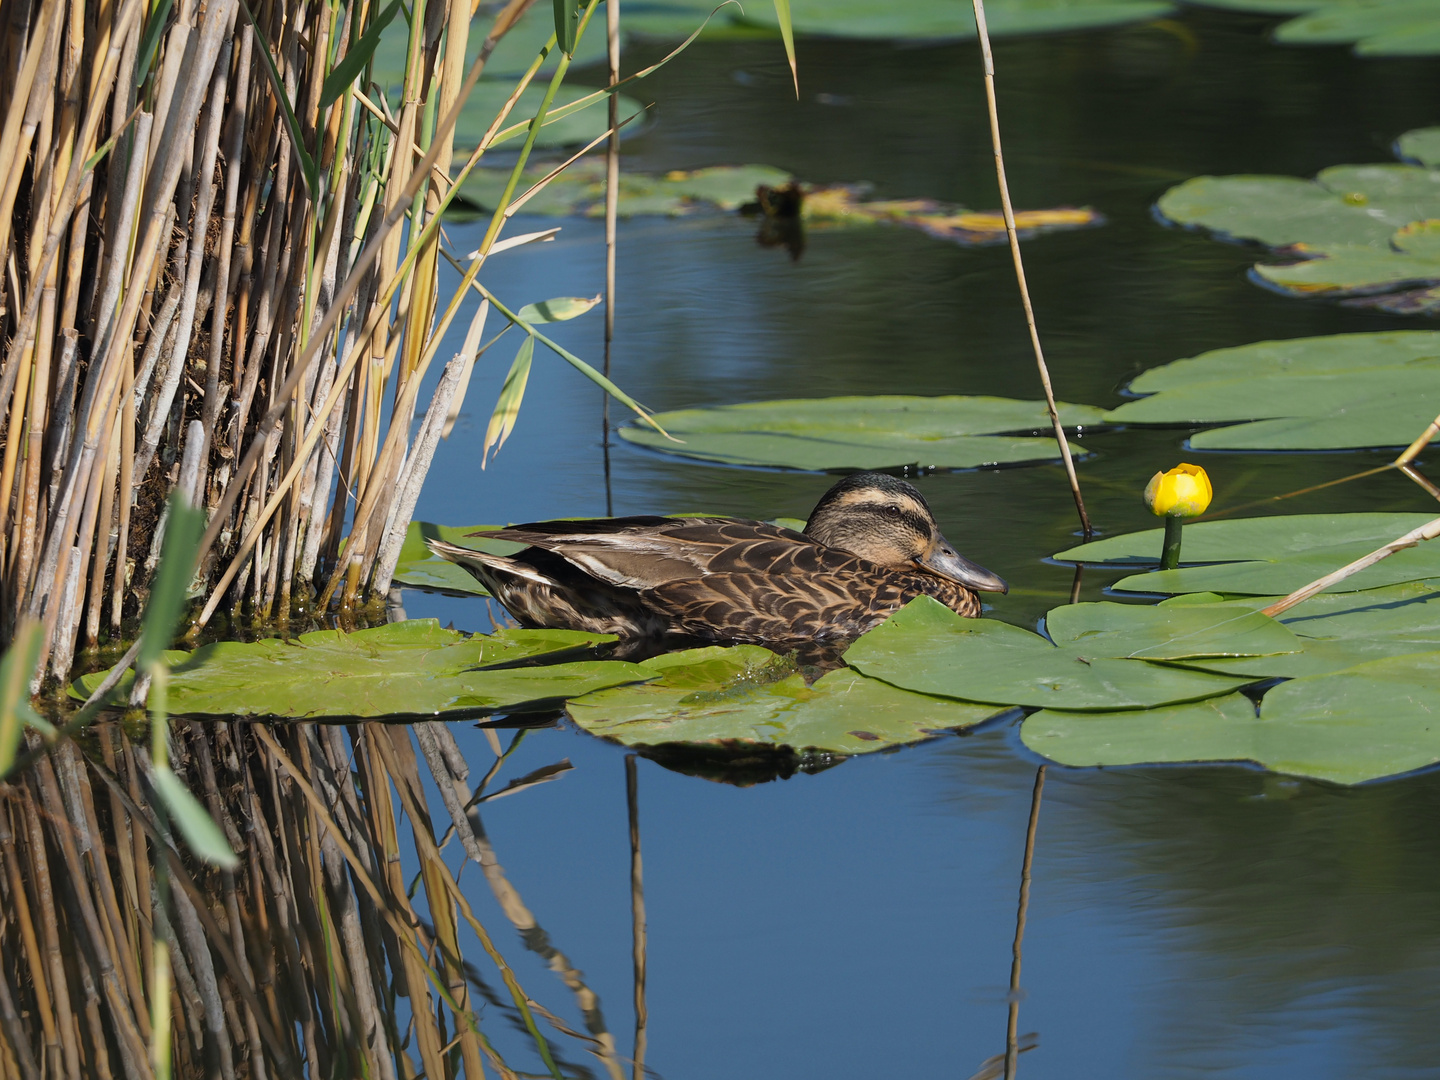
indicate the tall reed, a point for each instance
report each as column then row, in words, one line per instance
column 213, row 214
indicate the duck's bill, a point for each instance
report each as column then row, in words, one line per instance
column 946, row 561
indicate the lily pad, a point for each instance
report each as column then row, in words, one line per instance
column 1372, row 720
column 939, row 20
column 1187, row 632
column 404, row 669
column 1240, row 540
column 1346, row 391
column 1366, row 232
column 1421, row 146
column 423, row 569
column 1340, row 630
column 581, row 126
column 1268, row 556
column 928, row 648
column 1374, row 27
column 863, row 432
column 580, row 189
column 745, row 696
column 843, row 205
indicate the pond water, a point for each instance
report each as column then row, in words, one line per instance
column 1182, row 921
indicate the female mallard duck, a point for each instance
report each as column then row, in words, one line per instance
column 871, row 545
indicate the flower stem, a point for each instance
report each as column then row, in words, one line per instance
column 1170, row 557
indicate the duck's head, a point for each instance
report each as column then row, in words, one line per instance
column 887, row 521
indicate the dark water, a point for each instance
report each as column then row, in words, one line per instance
column 858, row 923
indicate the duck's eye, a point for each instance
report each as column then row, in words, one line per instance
column 892, row 512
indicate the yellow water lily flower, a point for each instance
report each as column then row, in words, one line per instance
column 1182, row 492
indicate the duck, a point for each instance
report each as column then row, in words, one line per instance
column 870, row 546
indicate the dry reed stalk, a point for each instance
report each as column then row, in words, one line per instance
column 289, row 256
column 1014, row 236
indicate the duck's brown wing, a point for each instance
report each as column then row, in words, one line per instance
column 645, row 553
column 820, row 607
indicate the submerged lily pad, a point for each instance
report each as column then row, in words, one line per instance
column 939, row 20
column 928, row 648
column 403, row 669
column 1345, row 391
column 863, row 432
column 1367, row 232
column 746, row 696
column 1265, row 556
column 1368, row 721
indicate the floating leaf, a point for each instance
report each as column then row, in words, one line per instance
column 580, row 189
column 1421, row 146
column 845, row 205
column 1375, row 719
column 1345, row 391
column 1242, row 540
column 1340, row 630
column 939, row 20
column 863, row 432
column 1268, row 556
column 581, row 126
column 1355, row 224
column 403, row 669
column 1217, row 729
column 1279, row 211
column 1181, row 632
column 928, row 648
column 418, row 566
column 746, row 696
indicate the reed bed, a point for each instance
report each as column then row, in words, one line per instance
column 316, row 955
column 211, row 214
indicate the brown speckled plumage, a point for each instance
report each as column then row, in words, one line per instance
column 725, row 579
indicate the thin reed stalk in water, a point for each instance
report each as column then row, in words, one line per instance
column 1010, row 231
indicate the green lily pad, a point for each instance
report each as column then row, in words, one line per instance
column 1268, row 556
column 1340, row 630
column 863, row 432
column 1242, row 540
column 404, row 669
column 580, row 189
column 581, row 126
column 939, row 20
column 1346, row 391
column 1421, row 146
column 746, row 696
column 1364, row 230
column 1181, row 632
column 421, row 568
column 928, row 648
column 1375, row 27
column 1372, row 720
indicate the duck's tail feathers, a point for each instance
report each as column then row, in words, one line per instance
column 486, row 566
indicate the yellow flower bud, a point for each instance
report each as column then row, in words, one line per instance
column 1184, row 491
